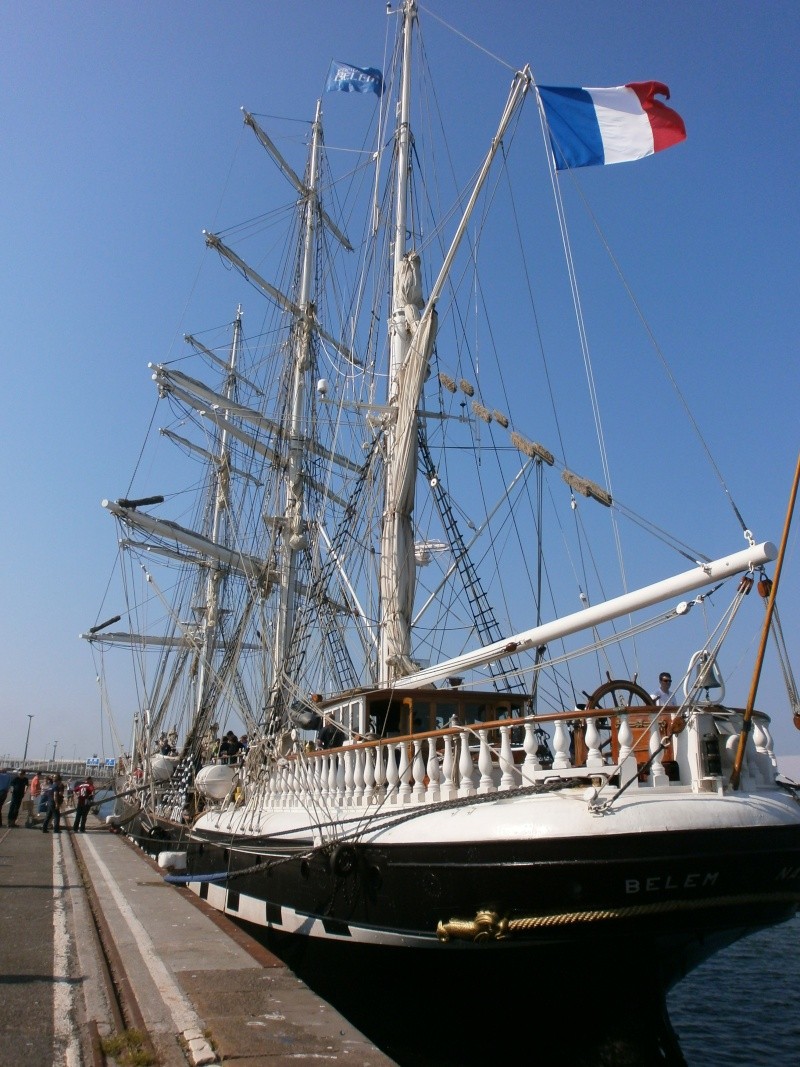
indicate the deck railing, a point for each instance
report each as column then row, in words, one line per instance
column 501, row 756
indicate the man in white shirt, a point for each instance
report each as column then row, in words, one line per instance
column 664, row 694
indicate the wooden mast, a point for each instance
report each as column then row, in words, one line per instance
column 751, row 699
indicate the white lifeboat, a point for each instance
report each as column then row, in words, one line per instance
column 215, row 780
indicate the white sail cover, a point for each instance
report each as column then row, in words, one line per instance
column 161, row 767
column 397, row 550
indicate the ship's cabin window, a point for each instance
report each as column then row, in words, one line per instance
column 401, row 716
column 388, row 717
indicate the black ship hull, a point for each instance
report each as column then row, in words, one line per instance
column 679, row 897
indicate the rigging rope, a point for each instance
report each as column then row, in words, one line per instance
column 661, row 356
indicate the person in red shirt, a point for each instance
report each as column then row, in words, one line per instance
column 84, row 794
column 31, row 802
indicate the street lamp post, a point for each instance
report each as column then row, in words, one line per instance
column 55, row 743
column 27, row 739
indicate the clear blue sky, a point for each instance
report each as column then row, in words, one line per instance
column 118, row 125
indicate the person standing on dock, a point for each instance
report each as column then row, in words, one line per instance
column 19, row 787
column 84, row 795
column 32, row 802
column 55, row 798
column 5, row 785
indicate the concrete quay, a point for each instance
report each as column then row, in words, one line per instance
column 93, row 943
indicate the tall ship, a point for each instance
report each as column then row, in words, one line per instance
column 411, row 578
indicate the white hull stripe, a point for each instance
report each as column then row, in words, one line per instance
column 287, row 920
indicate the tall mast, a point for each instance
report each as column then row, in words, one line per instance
column 221, row 504
column 399, row 332
column 413, row 331
column 397, row 565
column 294, row 539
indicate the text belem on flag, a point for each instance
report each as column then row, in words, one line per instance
column 345, row 77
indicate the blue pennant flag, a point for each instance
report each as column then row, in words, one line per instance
column 345, row 78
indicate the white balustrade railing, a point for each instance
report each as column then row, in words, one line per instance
column 488, row 758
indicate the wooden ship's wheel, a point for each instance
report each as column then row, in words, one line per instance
column 619, row 694
column 616, row 695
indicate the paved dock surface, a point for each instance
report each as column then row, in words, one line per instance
column 202, row 990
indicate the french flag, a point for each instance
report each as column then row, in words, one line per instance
column 588, row 127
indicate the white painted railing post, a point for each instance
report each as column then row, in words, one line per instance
column 449, row 790
column 769, row 748
column 358, row 777
column 731, row 748
column 392, row 773
column 508, row 777
column 751, row 772
column 749, row 775
column 369, row 773
column 405, row 774
column 485, row 765
column 765, row 769
column 657, row 775
column 418, row 793
column 333, row 779
column 433, row 772
column 627, row 761
column 380, row 771
column 465, row 772
column 322, row 776
column 349, row 776
column 531, row 747
column 594, row 758
column 561, row 745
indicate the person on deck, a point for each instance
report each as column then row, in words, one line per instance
column 84, row 795
column 229, row 747
column 330, row 736
column 665, row 694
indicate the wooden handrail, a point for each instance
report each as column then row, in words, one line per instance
column 454, row 731
column 445, row 731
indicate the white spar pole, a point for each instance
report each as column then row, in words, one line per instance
column 703, row 574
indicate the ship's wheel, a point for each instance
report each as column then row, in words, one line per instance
column 619, row 693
